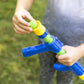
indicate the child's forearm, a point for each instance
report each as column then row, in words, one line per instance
column 24, row 4
column 81, row 48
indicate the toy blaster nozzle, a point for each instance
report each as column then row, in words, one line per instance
column 29, row 51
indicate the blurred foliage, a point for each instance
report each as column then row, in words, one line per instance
column 14, row 68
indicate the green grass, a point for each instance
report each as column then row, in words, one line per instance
column 14, row 68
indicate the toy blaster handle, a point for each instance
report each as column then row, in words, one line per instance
column 51, row 43
column 76, row 68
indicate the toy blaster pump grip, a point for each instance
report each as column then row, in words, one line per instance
column 51, row 43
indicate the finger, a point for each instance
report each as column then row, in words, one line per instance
column 57, row 56
column 17, row 28
column 22, row 21
column 67, row 48
column 66, row 62
column 64, row 48
column 29, row 17
column 63, row 62
column 18, row 31
column 26, row 28
column 63, row 57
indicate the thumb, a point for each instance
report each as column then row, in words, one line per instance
column 66, row 47
column 29, row 17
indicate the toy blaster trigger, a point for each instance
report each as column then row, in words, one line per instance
column 51, row 43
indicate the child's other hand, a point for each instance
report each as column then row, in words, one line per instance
column 20, row 25
column 73, row 54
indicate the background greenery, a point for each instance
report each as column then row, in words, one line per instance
column 14, row 68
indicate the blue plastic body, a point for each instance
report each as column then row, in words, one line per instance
column 55, row 46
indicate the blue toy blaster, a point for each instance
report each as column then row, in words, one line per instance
column 51, row 43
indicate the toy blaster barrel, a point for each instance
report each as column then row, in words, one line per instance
column 51, row 43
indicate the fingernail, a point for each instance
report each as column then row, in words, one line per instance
column 30, row 29
column 28, row 24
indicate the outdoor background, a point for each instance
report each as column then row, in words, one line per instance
column 14, row 68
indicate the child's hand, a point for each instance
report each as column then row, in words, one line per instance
column 73, row 54
column 20, row 25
